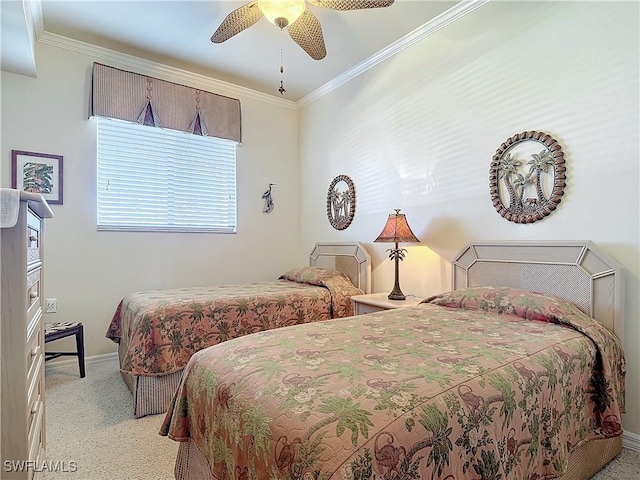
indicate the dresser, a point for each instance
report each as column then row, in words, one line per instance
column 22, row 341
column 376, row 302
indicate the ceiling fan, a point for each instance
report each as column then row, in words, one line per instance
column 303, row 26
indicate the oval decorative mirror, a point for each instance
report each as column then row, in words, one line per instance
column 341, row 202
column 527, row 177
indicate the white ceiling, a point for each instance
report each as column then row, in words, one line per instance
column 177, row 33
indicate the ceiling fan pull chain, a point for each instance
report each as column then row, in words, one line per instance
column 281, row 89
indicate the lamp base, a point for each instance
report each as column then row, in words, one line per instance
column 396, row 293
column 396, row 296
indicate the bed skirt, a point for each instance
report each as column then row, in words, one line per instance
column 584, row 462
column 151, row 395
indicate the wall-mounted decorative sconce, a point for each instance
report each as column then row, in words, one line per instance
column 395, row 231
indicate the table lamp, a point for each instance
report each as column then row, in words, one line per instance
column 396, row 230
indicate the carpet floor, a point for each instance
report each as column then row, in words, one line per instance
column 90, row 423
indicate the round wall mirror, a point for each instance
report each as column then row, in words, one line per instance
column 527, row 177
column 341, row 202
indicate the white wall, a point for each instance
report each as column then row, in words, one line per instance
column 418, row 132
column 90, row 271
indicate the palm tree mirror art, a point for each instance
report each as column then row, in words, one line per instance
column 341, row 202
column 527, row 177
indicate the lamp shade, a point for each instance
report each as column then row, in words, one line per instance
column 397, row 230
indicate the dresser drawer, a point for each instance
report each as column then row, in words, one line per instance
column 34, row 389
column 34, row 344
column 36, row 441
column 34, row 238
column 34, row 286
column 41, row 458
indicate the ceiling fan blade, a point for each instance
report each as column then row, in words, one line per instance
column 351, row 4
column 237, row 21
column 307, row 32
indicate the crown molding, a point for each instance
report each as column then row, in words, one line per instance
column 161, row 71
column 432, row 26
column 177, row 75
column 37, row 20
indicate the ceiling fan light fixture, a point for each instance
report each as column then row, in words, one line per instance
column 302, row 25
column 282, row 12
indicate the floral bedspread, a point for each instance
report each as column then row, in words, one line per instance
column 480, row 383
column 161, row 329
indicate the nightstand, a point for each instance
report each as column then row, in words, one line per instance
column 376, row 302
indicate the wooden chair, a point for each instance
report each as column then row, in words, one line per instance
column 56, row 331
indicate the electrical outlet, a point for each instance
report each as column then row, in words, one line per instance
column 51, row 305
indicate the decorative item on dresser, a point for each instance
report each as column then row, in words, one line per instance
column 397, row 230
column 22, row 333
column 377, row 302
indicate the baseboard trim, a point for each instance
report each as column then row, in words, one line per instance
column 87, row 360
column 631, row 441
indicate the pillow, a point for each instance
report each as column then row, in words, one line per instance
column 312, row 275
column 339, row 284
column 507, row 300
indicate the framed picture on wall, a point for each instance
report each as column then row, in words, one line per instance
column 37, row 173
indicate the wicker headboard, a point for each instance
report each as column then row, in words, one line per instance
column 349, row 258
column 575, row 271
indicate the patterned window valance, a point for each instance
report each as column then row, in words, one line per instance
column 158, row 103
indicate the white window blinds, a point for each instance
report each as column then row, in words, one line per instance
column 154, row 179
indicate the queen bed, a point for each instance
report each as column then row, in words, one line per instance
column 158, row 331
column 490, row 380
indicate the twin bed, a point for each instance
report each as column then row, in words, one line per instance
column 487, row 381
column 158, row 331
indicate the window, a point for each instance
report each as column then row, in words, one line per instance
column 154, row 179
